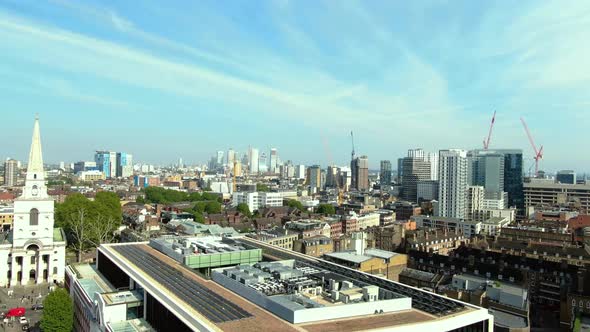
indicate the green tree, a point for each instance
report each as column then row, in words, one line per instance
column 213, row 207
column 295, row 204
column 244, row 209
column 262, row 187
column 58, row 312
column 326, row 209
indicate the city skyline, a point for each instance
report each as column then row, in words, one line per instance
column 101, row 79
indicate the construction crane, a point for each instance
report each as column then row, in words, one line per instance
column 486, row 141
column 538, row 153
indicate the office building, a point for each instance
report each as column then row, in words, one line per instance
column 360, row 173
column 33, row 252
column 257, row 200
column 333, row 177
column 452, row 183
column 81, row 166
column 300, row 172
column 566, row 177
column 432, row 158
column 134, row 286
column 219, row 159
column 103, row 162
column 273, row 166
column 427, row 190
column 415, row 168
column 253, row 162
column 231, row 157
column 385, row 172
column 10, row 172
column 540, row 194
column 314, row 178
column 124, row 164
column 400, row 169
column 475, row 200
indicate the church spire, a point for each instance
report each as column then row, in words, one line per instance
column 36, row 156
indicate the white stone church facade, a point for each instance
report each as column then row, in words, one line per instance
column 33, row 252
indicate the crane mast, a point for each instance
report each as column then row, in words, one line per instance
column 538, row 152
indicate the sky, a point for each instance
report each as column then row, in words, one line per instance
column 164, row 80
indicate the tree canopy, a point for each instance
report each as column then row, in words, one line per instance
column 88, row 223
column 295, row 204
column 326, row 209
column 165, row 196
column 58, row 312
column 262, row 187
column 244, row 209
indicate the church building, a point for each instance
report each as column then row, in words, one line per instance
column 33, row 252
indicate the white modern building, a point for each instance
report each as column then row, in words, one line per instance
column 33, row 252
column 452, row 171
column 253, row 162
column 432, row 158
column 257, row 200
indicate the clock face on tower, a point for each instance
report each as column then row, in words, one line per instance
column 35, row 191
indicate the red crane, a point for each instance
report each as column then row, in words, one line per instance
column 539, row 152
column 486, row 141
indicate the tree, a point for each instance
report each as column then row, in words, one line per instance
column 326, row 209
column 78, row 226
column 262, row 187
column 58, row 312
column 244, row 209
column 295, row 204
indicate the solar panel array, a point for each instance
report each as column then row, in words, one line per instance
column 421, row 300
column 209, row 304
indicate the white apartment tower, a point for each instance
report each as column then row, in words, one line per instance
column 34, row 250
column 452, row 171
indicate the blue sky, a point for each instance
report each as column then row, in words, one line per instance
column 187, row 78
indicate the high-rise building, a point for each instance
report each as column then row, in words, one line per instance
column 300, row 172
column 124, row 164
column 263, row 163
column 432, row 158
column 385, row 172
column 219, row 159
column 231, row 157
column 314, row 177
column 253, row 162
column 485, row 169
column 475, row 200
column 273, row 161
column 10, row 172
column 360, row 173
column 103, row 162
column 180, row 163
column 35, row 251
column 332, row 174
column 415, row 168
column 400, row 169
column 452, row 171
column 566, row 177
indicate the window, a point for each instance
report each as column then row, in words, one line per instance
column 55, row 270
column 32, row 259
column 34, row 217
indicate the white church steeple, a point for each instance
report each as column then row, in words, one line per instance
column 35, row 180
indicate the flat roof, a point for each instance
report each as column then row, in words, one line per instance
column 349, row 257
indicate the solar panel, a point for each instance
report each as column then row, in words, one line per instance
column 209, row 304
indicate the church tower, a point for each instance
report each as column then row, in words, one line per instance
column 33, row 210
column 34, row 249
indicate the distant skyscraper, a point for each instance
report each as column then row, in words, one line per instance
column 180, row 163
column 566, row 177
column 415, row 168
column 219, row 158
column 231, row 157
column 452, row 192
column 400, row 169
column 300, row 172
column 484, row 170
column 273, row 160
column 10, row 172
column 314, row 177
column 254, row 169
column 332, row 175
column 432, row 158
column 103, row 162
column 360, row 173
column 385, row 172
column 263, row 163
column 124, row 164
